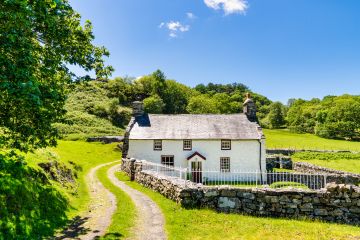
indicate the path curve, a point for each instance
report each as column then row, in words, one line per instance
column 102, row 205
column 150, row 220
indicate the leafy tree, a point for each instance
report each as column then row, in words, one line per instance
column 276, row 115
column 176, row 97
column 202, row 104
column 38, row 41
column 154, row 104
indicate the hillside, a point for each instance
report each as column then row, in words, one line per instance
column 97, row 108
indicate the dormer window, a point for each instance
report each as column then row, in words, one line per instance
column 187, row 144
column 157, row 145
column 225, row 144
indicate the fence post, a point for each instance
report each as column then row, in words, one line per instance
column 132, row 169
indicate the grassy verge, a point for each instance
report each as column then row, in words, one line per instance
column 86, row 156
column 287, row 139
column 124, row 216
column 206, row 224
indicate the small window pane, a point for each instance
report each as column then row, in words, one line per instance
column 187, row 145
column 225, row 164
column 157, row 144
column 225, row 144
column 167, row 160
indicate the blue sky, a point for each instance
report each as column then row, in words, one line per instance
column 279, row 48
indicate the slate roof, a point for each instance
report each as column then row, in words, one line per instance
column 195, row 126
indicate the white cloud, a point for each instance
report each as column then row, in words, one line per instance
column 228, row 6
column 174, row 28
column 190, row 15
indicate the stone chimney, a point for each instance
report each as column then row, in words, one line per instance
column 138, row 108
column 250, row 108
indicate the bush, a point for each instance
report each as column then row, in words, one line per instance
column 30, row 207
column 288, row 184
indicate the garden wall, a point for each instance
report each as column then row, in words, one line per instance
column 336, row 176
column 336, row 203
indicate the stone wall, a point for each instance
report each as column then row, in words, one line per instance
column 336, row 176
column 336, row 203
column 288, row 152
column 278, row 161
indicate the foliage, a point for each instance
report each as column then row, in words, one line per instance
column 30, row 206
column 207, row 224
column 38, row 41
column 331, row 117
column 153, row 104
column 276, row 117
column 202, row 104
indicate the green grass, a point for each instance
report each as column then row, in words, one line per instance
column 287, row 139
column 340, row 161
column 288, row 184
column 124, row 216
column 206, row 224
column 86, row 156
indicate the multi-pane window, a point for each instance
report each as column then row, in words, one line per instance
column 187, row 145
column 225, row 144
column 225, row 164
column 167, row 160
column 157, row 145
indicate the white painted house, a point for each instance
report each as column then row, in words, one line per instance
column 217, row 142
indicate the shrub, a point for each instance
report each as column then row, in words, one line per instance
column 30, row 207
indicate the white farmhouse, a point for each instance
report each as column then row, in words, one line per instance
column 216, row 142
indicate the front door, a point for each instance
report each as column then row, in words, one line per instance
column 196, row 172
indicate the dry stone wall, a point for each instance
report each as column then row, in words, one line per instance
column 335, row 203
column 339, row 177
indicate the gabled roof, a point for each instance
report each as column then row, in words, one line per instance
column 195, row 126
column 196, row 154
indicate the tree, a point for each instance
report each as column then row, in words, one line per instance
column 176, row 97
column 202, row 104
column 38, row 41
column 276, row 115
column 154, row 104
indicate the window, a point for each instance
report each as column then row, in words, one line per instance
column 167, row 160
column 225, row 144
column 225, row 164
column 187, row 145
column 157, row 145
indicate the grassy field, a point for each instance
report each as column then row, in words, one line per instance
column 124, row 217
column 341, row 161
column 206, row 224
column 286, row 139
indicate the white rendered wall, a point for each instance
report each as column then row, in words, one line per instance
column 244, row 154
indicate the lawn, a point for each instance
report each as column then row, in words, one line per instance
column 124, row 216
column 287, row 139
column 206, row 224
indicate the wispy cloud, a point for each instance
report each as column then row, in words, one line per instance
column 190, row 15
column 228, row 6
column 175, row 27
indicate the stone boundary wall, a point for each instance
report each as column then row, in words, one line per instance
column 336, row 203
column 336, row 176
column 289, row 152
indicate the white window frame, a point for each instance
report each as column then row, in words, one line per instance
column 225, row 164
column 187, row 144
column 225, row 144
column 157, row 145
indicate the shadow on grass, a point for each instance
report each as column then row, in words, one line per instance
column 74, row 229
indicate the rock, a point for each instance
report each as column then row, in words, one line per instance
column 320, row 212
column 355, row 210
column 248, row 196
column 211, row 192
column 337, row 212
column 226, row 202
